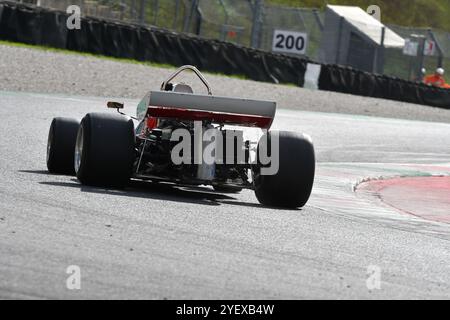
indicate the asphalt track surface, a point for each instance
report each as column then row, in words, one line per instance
column 155, row 241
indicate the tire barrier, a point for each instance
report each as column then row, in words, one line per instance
column 348, row 80
column 39, row 26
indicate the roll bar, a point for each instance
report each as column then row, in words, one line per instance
column 193, row 69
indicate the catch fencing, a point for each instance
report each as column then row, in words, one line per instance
column 408, row 67
column 251, row 23
column 243, row 22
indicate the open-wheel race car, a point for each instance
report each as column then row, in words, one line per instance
column 190, row 140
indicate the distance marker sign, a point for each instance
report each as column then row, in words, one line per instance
column 289, row 42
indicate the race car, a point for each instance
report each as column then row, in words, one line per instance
column 187, row 139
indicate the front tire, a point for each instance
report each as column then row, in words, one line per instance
column 104, row 151
column 61, row 145
column 291, row 186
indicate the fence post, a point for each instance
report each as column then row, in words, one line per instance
column 379, row 54
column 257, row 23
column 223, row 31
column 122, row 9
column 188, row 19
column 420, row 54
column 133, row 10
column 142, row 12
column 156, row 11
column 339, row 44
column 438, row 47
column 175, row 19
column 318, row 21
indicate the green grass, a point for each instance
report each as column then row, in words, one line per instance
column 122, row 60
column 411, row 13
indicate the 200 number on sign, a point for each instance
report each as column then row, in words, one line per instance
column 289, row 42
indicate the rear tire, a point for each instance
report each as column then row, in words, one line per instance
column 61, row 145
column 291, row 186
column 104, row 151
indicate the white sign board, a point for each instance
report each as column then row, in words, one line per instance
column 312, row 76
column 430, row 48
column 411, row 48
column 289, row 42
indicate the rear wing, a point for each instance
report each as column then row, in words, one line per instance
column 220, row 110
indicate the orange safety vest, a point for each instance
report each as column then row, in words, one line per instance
column 434, row 80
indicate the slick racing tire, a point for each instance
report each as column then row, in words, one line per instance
column 291, row 185
column 61, row 145
column 104, row 150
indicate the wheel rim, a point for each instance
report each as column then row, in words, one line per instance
column 79, row 149
column 49, row 144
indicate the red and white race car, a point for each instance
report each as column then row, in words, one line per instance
column 190, row 140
